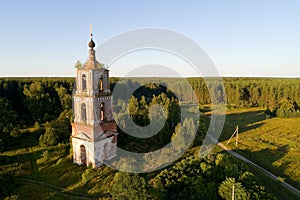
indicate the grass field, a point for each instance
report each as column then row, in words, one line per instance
column 272, row 143
column 52, row 165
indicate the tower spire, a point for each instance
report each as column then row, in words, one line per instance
column 91, row 63
column 91, row 43
column 91, row 31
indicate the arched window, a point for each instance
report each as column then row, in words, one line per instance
column 83, row 82
column 102, row 111
column 82, row 155
column 101, row 84
column 83, row 112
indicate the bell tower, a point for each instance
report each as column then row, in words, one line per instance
column 94, row 131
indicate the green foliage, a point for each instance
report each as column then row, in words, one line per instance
column 280, row 179
column 226, row 187
column 161, row 110
column 128, row 186
column 37, row 125
column 133, row 106
column 194, row 178
column 58, row 131
column 7, row 116
column 186, row 179
column 45, row 155
column 78, row 65
column 183, row 135
column 36, row 99
column 249, row 92
column 88, row 175
column 50, row 137
column 197, row 188
column 64, row 97
column 288, row 109
column 7, row 184
column 100, row 65
column 12, row 197
column 2, row 145
column 15, row 132
column 271, row 143
column 268, row 113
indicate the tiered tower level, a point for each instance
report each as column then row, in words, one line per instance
column 94, row 131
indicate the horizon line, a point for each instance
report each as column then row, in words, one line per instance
column 233, row 76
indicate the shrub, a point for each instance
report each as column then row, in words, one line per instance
column 37, row 125
column 15, row 132
column 45, row 155
column 50, row 137
column 12, row 197
column 280, row 179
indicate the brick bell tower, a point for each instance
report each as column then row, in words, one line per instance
column 94, row 131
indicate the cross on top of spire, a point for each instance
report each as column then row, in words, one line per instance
column 91, row 31
column 91, row 43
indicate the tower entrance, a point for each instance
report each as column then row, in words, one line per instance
column 82, row 155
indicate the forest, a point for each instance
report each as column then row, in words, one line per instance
column 36, row 114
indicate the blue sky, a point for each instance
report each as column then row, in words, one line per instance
column 243, row 38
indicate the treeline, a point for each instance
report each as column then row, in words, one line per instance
column 37, row 99
column 275, row 94
column 28, row 102
column 252, row 92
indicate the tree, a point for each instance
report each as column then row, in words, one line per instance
column 144, row 111
column 64, row 97
column 100, row 65
column 225, row 190
column 50, row 137
column 7, row 184
column 201, row 189
column 37, row 125
column 184, row 134
column 133, row 108
column 288, row 109
column 174, row 112
column 128, row 186
column 58, row 131
column 7, row 117
column 78, row 65
column 245, row 96
column 15, row 132
column 36, row 99
column 157, row 115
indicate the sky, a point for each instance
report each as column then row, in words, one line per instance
column 242, row 38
